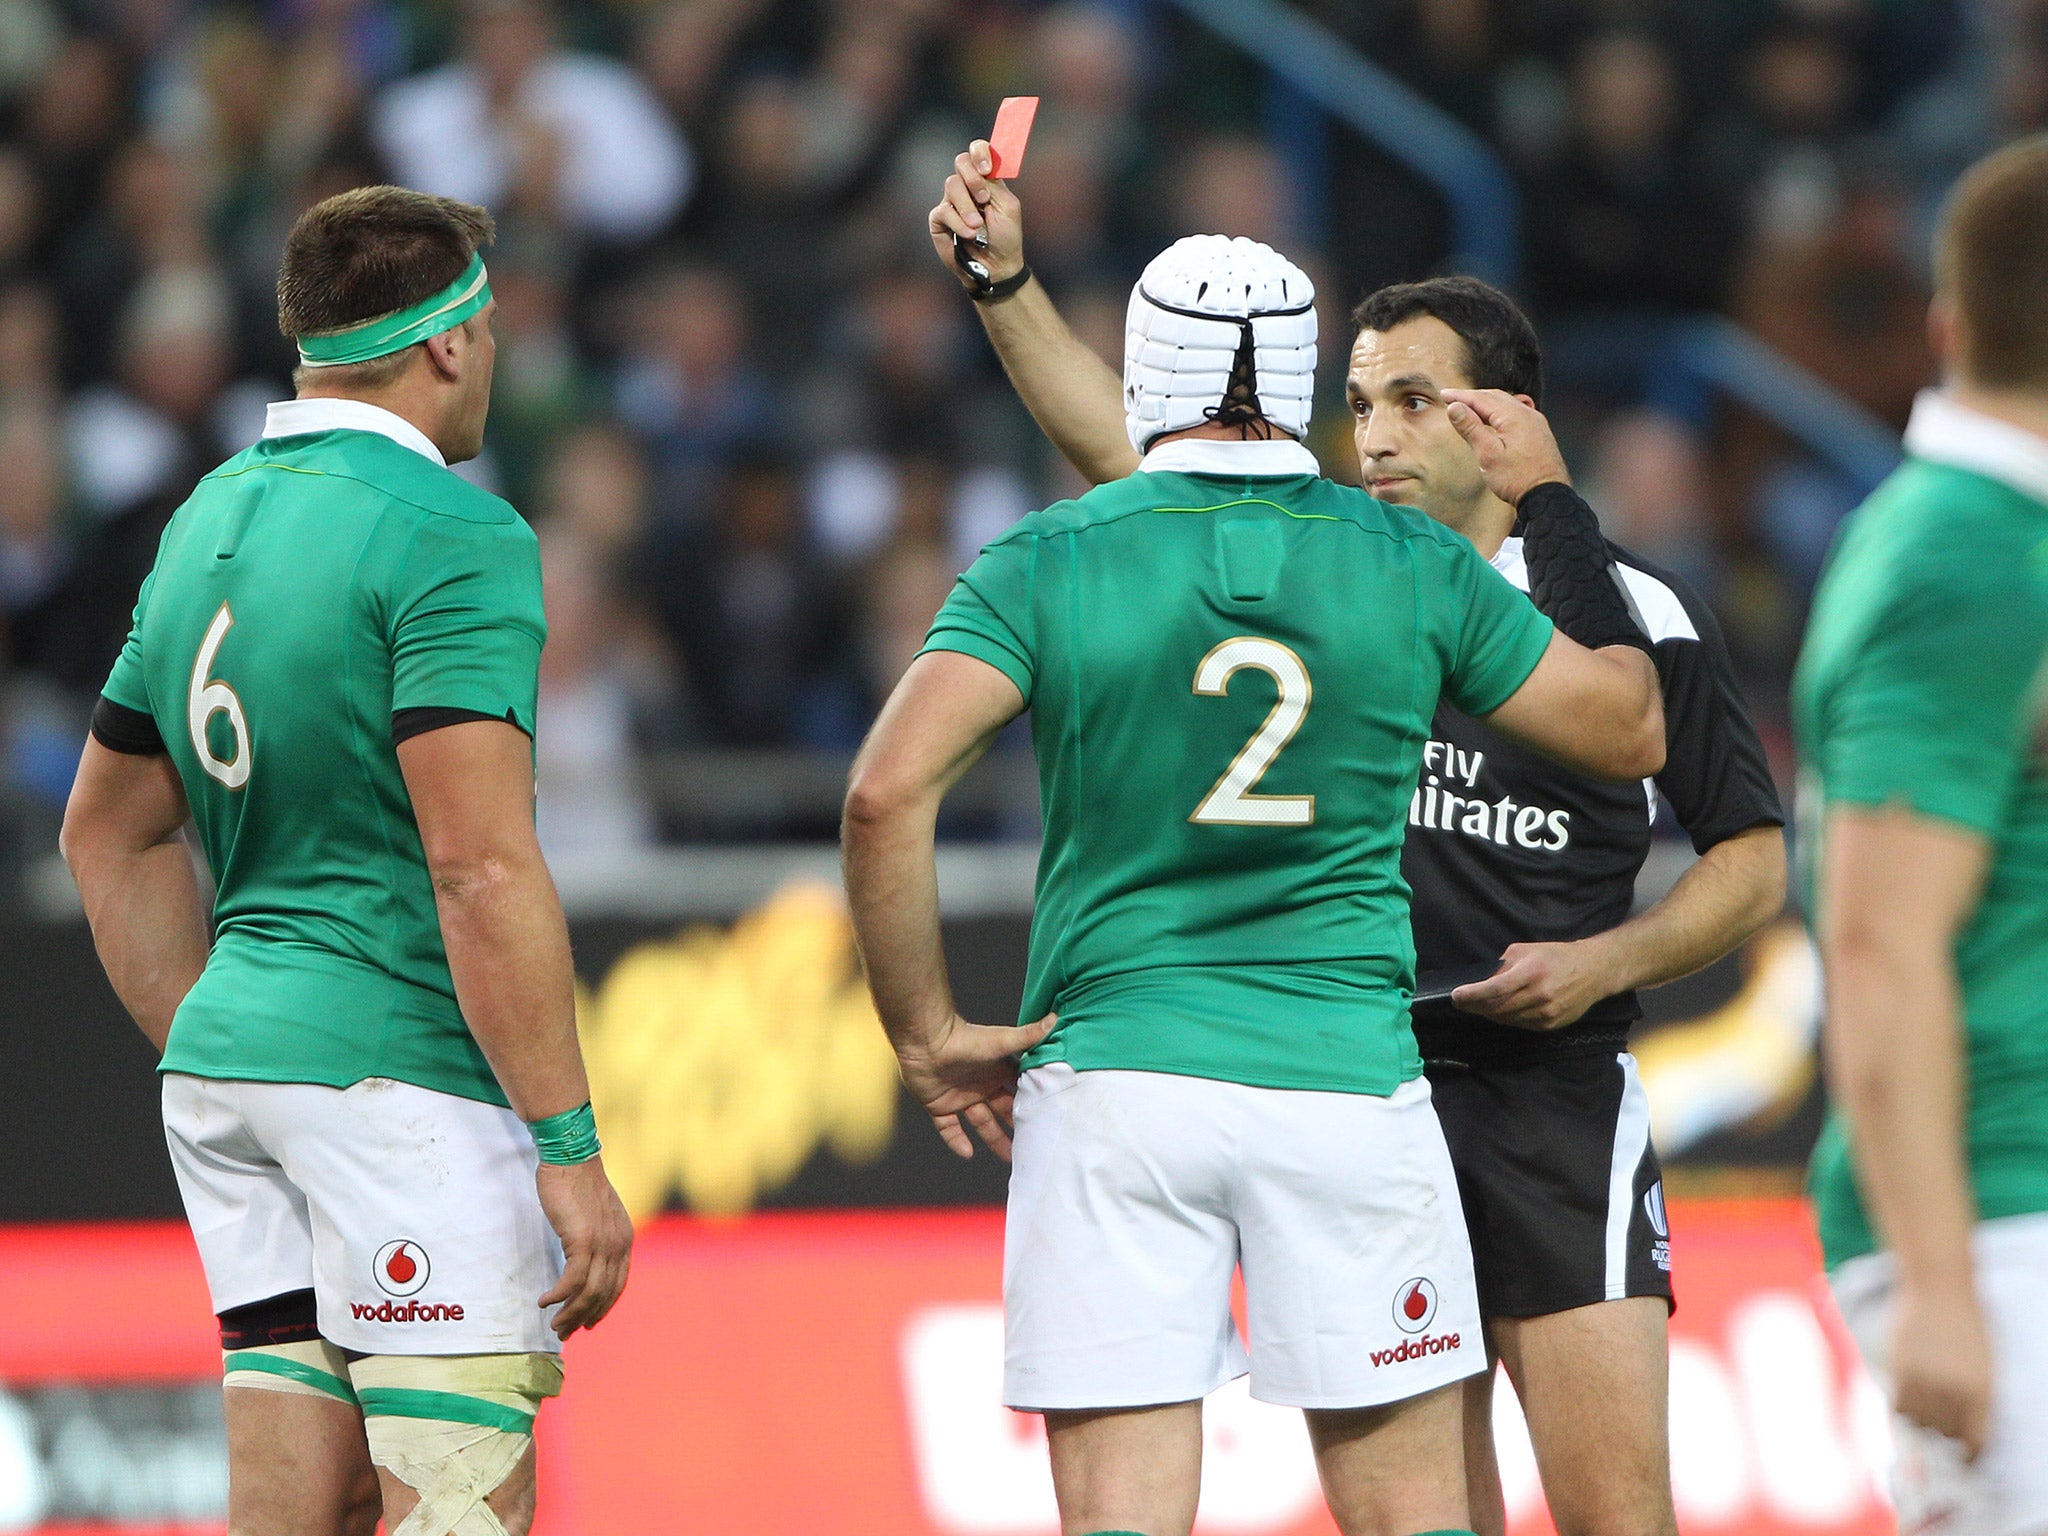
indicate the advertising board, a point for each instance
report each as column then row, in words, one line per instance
column 737, row 1065
column 838, row 1373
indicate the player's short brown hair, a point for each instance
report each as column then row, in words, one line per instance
column 1992, row 255
column 371, row 251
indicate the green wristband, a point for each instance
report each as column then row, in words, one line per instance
column 570, row 1137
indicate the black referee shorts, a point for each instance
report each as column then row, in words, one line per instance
column 1563, row 1195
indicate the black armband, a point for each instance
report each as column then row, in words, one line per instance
column 131, row 732
column 1572, row 577
column 417, row 721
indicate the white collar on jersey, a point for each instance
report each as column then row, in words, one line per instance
column 1511, row 562
column 1219, row 456
column 1944, row 432
column 296, row 418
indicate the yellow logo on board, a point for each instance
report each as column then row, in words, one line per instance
column 721, row 1060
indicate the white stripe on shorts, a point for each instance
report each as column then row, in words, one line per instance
column 1631, row 1140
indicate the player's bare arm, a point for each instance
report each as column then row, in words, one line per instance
column 1737, row 886
column 936, row 725
column 134, row 873
column 1898, row 888
column 1600, row 712
column 1071, row 393
column 508, row 951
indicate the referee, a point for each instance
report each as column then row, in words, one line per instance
column 1523, row 876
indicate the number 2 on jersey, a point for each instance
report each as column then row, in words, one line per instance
column 1230, row 803
column 209, row 698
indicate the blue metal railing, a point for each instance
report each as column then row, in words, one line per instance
column 1834, row 428
column 1312, row 65
column 1485, row 210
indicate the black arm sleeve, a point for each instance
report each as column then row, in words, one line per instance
column 121, row 729
column 408, row 723
column 1716, row 774
column 1571, row 574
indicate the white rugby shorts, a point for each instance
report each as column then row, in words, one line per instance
column 1134, row 1195
column 410, row 1214
column 2006, row 1492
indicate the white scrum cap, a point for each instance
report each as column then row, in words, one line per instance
column 1188, row 316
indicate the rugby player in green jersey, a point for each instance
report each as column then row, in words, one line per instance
column 1540, row 1103
column 1918, row 706
column 1231, row 665
column 373, row 1093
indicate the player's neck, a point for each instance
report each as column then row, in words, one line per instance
column 406, row 404
column 1486, row 522
column 2026, row 409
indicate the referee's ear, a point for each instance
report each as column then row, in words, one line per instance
column 1529, row 401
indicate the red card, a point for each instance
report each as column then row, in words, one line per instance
column 1011, row 133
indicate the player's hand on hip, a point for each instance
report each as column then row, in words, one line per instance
column 983, row 212
column 597, row 1241
column 1941, row 1363
column 1511, row 439
column 967, row 1077
column 1539, row 986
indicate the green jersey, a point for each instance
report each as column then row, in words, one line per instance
column 1918, row 687
column 1231, row 666
column 310, row 589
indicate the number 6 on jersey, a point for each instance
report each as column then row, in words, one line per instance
column 1230, row 803
column 208, row 699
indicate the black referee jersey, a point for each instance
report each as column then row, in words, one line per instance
column 1505, row 846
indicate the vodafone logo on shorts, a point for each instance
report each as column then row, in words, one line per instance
column 1414, row 1311
column 401, row 1268
column 1415, row 1305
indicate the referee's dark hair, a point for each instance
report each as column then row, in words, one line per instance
column 1501, row 351
column 1992, row 260
column 372, row 251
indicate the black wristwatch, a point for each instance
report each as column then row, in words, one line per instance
column 986, row 290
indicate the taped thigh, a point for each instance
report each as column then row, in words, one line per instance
column 309, row 1368
column 452, row 1428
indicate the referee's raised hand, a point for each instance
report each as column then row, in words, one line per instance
column 1511, row 439
column 983, row 212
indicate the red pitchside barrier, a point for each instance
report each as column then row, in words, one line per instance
column 838, row 1374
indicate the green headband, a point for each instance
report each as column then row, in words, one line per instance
column 401, row 328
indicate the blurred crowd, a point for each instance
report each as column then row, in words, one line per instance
column 755, row 422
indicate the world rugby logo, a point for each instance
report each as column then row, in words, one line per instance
column 1415, row 1305
column 401, row 1268
column 1653, row 1207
